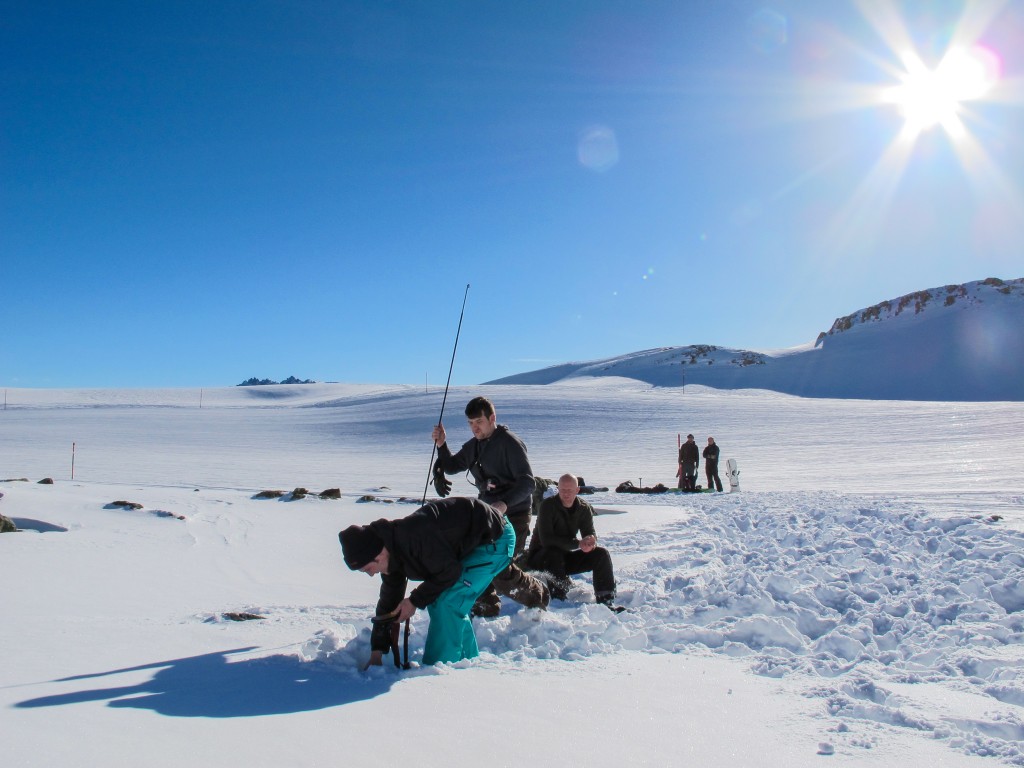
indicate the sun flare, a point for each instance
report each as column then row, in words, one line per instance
column 959, row 92
column 936, row 97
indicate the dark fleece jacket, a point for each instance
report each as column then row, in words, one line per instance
column 501, row 471
column 563, row 528
column 689, row 453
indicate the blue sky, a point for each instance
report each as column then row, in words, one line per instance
column 194, row 193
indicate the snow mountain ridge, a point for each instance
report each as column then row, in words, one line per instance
column 954, row 343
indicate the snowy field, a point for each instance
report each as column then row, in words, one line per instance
column 858, row 602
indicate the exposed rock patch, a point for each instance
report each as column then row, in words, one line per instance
column 241, row 616
column 269, row 495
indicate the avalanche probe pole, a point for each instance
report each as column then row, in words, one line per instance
column 679, row 469
column 430, row 470
column 433, row 447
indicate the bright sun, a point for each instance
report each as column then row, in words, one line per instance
column 955, row 94
column 935, row 97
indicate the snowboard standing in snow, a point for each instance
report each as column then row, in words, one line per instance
column 733, row 473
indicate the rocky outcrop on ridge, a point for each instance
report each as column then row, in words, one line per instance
column 954, row 343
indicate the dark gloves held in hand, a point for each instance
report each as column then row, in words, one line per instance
column 442, row 484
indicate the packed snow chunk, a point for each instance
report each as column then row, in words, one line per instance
column 1007, row 693
column 1009, row 593
column 763, row 632
column 813, row 626
column 337, row 646
column 779, row 664
column 677, row 637
column 841, row 645
column 781, row 587
column 617, row 633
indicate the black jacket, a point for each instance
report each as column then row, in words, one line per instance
column 562, row 528
column 500, row 469
column 689, row 453
column 429, row 546
column 711, row 454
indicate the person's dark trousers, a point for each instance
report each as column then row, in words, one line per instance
column 689, row 476
column 561, row 565
column 711, row 470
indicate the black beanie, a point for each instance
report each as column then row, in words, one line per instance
column 359, row 545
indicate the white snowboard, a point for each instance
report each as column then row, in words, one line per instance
column 733, row 473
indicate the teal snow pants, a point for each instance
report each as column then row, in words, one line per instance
column 450, row 636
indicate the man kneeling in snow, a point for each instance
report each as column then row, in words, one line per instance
column 556, row 549
column 455, row 547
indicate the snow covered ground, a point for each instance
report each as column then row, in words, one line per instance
column 858, row 602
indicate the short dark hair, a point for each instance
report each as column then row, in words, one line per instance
column 479, row 406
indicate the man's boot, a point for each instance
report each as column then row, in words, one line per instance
column 525, row 589
column 488, row 604
column 559, row 587
column 607, row 599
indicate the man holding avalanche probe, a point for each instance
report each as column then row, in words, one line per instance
column 496, row 458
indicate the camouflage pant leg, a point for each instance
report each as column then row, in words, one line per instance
column 489, row 604
column 525, row 589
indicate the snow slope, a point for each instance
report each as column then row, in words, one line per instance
column 955, row 343
column 858, row 601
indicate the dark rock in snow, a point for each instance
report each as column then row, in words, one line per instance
column 165, row 513
column 242, row 616
column 269, row 495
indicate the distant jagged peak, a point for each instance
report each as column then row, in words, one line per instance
column 254, row 382
column 930, row 300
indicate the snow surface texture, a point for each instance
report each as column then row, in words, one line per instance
column 780, row 626
column 957, row 342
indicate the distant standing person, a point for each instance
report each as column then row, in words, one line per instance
column 496, row 458
column 711, row 464
column 689, row 460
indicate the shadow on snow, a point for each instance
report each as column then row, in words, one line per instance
column 211, row 685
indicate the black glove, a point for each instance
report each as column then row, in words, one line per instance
column 442, row 484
